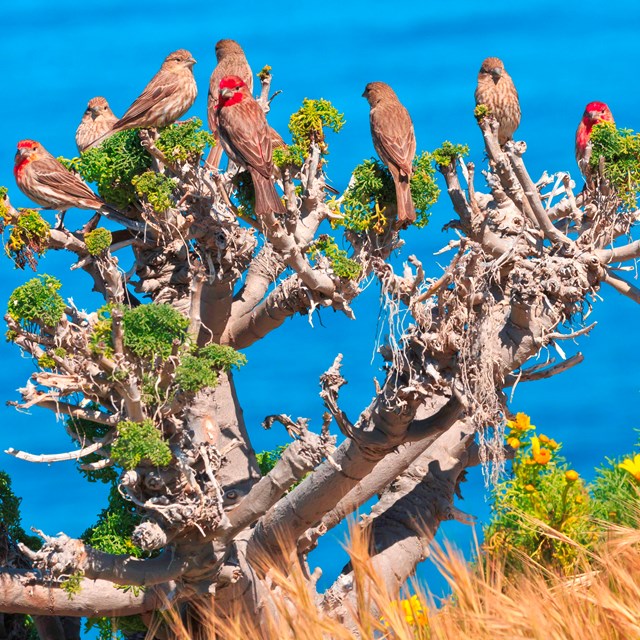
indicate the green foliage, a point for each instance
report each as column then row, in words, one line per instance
column 156, row 188
column 116, row 628
column 267, row 459
column 4, row 192
column 61, row 352
column 264, row 73
column 37, row 304
column 101, row 339
column 46, row 362
column 372, row 189
column 307, row 126
column 28, row 239
column 200, row 369
column 615, row 491
column 481, row 111
column 150, row 330
column 184, row 141
column 112, row 166
column 620, row 149
column 448, row 153
column 10, row 521
column 341, row 264
column 541, row 488
column 98, row 241
column 72, row 585
column 138, row 441
column 245, row 193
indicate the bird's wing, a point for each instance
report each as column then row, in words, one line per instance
column 391, row 125
column 51, row 173
column 162, row 86
column 247, row 131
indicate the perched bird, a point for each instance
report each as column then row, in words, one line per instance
column 231, row 62
column 394, row 141
column 594, row 113
column 48, row 182
column 97, row 121
column 169, row 95
column 496, row 91
column 247, row 139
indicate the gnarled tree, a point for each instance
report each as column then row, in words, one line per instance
column 146, row 382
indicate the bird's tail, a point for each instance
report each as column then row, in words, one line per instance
column 406, row 210
column 267, row 198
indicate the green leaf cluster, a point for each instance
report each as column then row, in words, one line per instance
column 245, row 193
column 72, row 585
column 98, row 241
column 200, row 369
column 37, row 304
column 150, row 330
column 101, row 339
column 156, row 188
column 307, row 126
column 10, row 520
column 112, row 166
column 45, row 361
column 139, row 441
column 446, row 154
column 620, row 149
column 184, row 141
column 341, row 264
column 88, row 430
column 268, row 459
column 28, row 239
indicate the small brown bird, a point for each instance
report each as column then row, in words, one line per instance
column 97, row 121
column 496, row 91
column 169, row 95
column 247, row 139
column 231, row 62
column 50, row 184
column 594, row 113
column 394, row 141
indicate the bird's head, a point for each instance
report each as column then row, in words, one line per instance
column 179, row 58
column 493, row 68
column 227, row 47
column 596, row 112
column 232, row 90
column 376, row 91
column 27, row 151
column 97, row 107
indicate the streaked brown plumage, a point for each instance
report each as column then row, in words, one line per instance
column 169, row 95
column 47, row 182
column 394, row 141
column 247, row 139
column 98, row 120
column 231, row 62
column 496, row 91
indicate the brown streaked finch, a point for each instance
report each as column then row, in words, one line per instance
column 247, row 139
column 231, row 62
column 497, row 92
column 394, row 141
column 98, row 120
column 169, row 94
column 594, row 113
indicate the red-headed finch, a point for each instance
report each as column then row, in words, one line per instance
column 97, row 121
column 247, row 139
column 169, row 95
column 594, row 113
column 48, row 183
column 394, row 141
column 497, row 92
column 231, row 62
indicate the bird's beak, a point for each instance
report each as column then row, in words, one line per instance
column 496, row 72
column 192, row 61
column 226, row 93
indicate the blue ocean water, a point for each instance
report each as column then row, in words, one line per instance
column 56, row 56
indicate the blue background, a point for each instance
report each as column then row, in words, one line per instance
column 54, row 57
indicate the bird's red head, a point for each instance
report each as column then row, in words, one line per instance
column 596, row 112
column 232, row 91
column 27, row 151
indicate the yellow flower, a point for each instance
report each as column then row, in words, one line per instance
column 412, row 610
column 514, row 443
column 544, row 439
column 552, row 444
column 579, row 499
column 632, row 466
column 529, row 488
column 571, row 475
column 521, row 423
column 541, row 456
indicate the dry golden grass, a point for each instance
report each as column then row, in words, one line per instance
column 601, row 603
